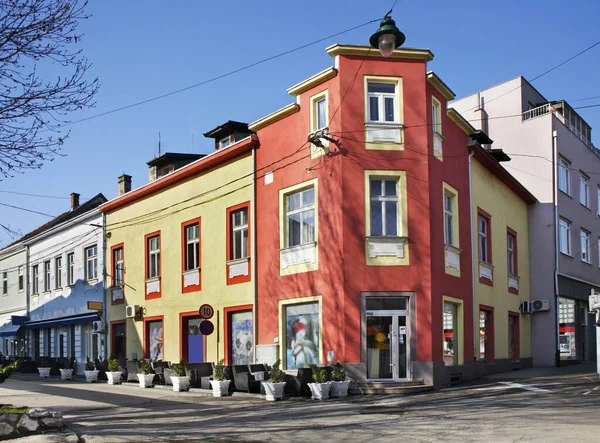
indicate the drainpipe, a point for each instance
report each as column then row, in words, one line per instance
column 28, row 351
column 556, row 243
column 253, row 257
column 473, row 265
column 104, row 287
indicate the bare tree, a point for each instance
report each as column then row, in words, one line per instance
column 38, row 37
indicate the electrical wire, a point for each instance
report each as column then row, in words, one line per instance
column 33, row 195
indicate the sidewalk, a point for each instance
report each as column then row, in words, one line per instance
column 576, row 370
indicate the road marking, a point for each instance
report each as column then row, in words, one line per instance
column 513, row 385
column 589, row 392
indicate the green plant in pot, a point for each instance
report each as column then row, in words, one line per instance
column 146, row 377
column 220, row 386
column 275, row 385
column 113, row 375
column 340, row 383
column 320, row 388
column 44, row 367
column 180, row 381
column 91, row 373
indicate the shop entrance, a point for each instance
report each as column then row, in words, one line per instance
column 387, row 339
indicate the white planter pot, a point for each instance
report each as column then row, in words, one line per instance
column 273, row 391
column 114, row 378
column 146, row 380
column 180, row 383
column 319, row 391
column 44, row 372
column 340, row 388
column 220, row 387
column 66, row 374
column 91, row 376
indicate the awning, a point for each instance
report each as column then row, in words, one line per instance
column 63, row 321
column 9, row 330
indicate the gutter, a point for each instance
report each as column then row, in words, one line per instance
column 473, row 267
column 253, row 255
column 106, row 297
column 556, row 245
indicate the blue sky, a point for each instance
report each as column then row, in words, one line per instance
column 140, row 49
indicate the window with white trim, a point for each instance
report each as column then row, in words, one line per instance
column 21, row 278
column 436, row 113
column 71, row 268
column 320, row 113
column 384, row 207
column 300, row 217
column 448, row 219
column 584, row 197
column 564, row 176
column 4, row 282
column 91, row 262
column 119, row 269
column 154, row 257
column 225, row 142
column 34, row 280
column 382, row 102
column 482, row 232
column 564, row 235
column 58, row 272
column 585, row 246
column 510, row 247
column 47, row 276
column 239, row 234
column 192, row 247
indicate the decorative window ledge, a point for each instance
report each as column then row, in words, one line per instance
column 297, row 255
column 116, row 293
column 91, row 281
column 384, row 132
column 386, row 246
column 513, row 282
column 238, row 267
column 152, row 285
column 437, row 143
column 486, row 271
column 191, row 277
column 453, row 257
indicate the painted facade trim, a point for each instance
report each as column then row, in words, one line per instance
column 282, row 113
column 368, row 51
column 460, row 121
column 313, row 81
column 441, row 87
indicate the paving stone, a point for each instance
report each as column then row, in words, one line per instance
column 38, row 413
column 52, row 422
column 6, row 429
column 28, row 424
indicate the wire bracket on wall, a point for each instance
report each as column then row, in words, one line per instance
column 317, row 139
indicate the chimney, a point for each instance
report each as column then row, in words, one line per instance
column 74, row 200
column 124, row 184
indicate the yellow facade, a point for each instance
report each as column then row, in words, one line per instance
column 206, row 196
column 507, row 210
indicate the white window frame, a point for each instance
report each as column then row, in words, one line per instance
column 584, row 190
column 4, row 282
column 564, row 171
column 153, row 256
column 564, row 230
column 58, row 272
column 196, row 244
column 303, row 210
column 92, row 259
column 510, row 252
column 382, row 199
column 35, row 275
column 71, row 268
column 21, row 281
column 482, row 239
column 448, row 219
column 585, row 246
column 225, row 142
column 239, row 228
column 47, row 276
column 119, row 278
column 381, row 98
column 320, row 99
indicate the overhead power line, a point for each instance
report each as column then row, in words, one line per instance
column 34, row 195
column 27, row 210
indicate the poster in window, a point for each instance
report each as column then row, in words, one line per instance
column 155, row 340
column 302, row 335
column 241, row 338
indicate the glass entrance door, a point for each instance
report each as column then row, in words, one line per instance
column 387, row 344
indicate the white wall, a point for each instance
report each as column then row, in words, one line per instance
column 15, row 302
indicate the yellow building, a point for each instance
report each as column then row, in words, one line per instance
column 501, row 263
column 180, row 242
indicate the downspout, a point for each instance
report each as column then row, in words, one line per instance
column 104, row 287
column 29, row 347
column 473, row 266
column 556, row 244
column 253, row 256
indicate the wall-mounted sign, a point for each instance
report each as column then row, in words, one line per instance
column 206, row 311
column 402, row 330
column 206, row 327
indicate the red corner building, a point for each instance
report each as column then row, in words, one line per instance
column 363, row 235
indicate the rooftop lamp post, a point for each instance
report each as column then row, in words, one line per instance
column 388, row 37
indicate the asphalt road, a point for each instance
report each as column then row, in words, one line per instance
column 561, row 406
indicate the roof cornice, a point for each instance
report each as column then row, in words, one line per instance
column 313, row 81
column 368, row 51
column 442, row 87
column 274, row 117
column 64, row 225
column 460, row 121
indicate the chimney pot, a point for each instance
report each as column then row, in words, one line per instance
column 124, row 184
column 74, row 200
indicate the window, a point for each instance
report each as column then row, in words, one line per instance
column 584, row 190
column 448, row 219
column 585, row 246
column 154, row 339
column 381, row 102
column 239, row 234
column 58, row 272
column 511, row 242
column 486, row 334
column 565, row 236
column 153, row 257
column 118, row 267
column 225, row 142
column 300, row 217
column 436, row 114
column 564, row 176
column 451, row 338
column 239, row 337
column 91, row 263
column 483, row 233
column 47, row 276
column 4, row 282
column 598, row 200
column 384, row 207
column 21, row 279
column 71, row 268
column 192, row 247
column 513, row 336
column 320, row 113
column 303, row 335
column 34, row 280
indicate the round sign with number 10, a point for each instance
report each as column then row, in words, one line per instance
column 206, row 311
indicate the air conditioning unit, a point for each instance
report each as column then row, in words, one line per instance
column 98, row 326
column 526, row 307
column 132, row 311
column 540, row 305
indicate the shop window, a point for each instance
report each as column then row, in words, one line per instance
column 154, row 339
column 303, row 335
column 513, row 336
column 118, row 336
column 451, row 334
column 567, row 329
column 486, row 334
column 240, row 338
